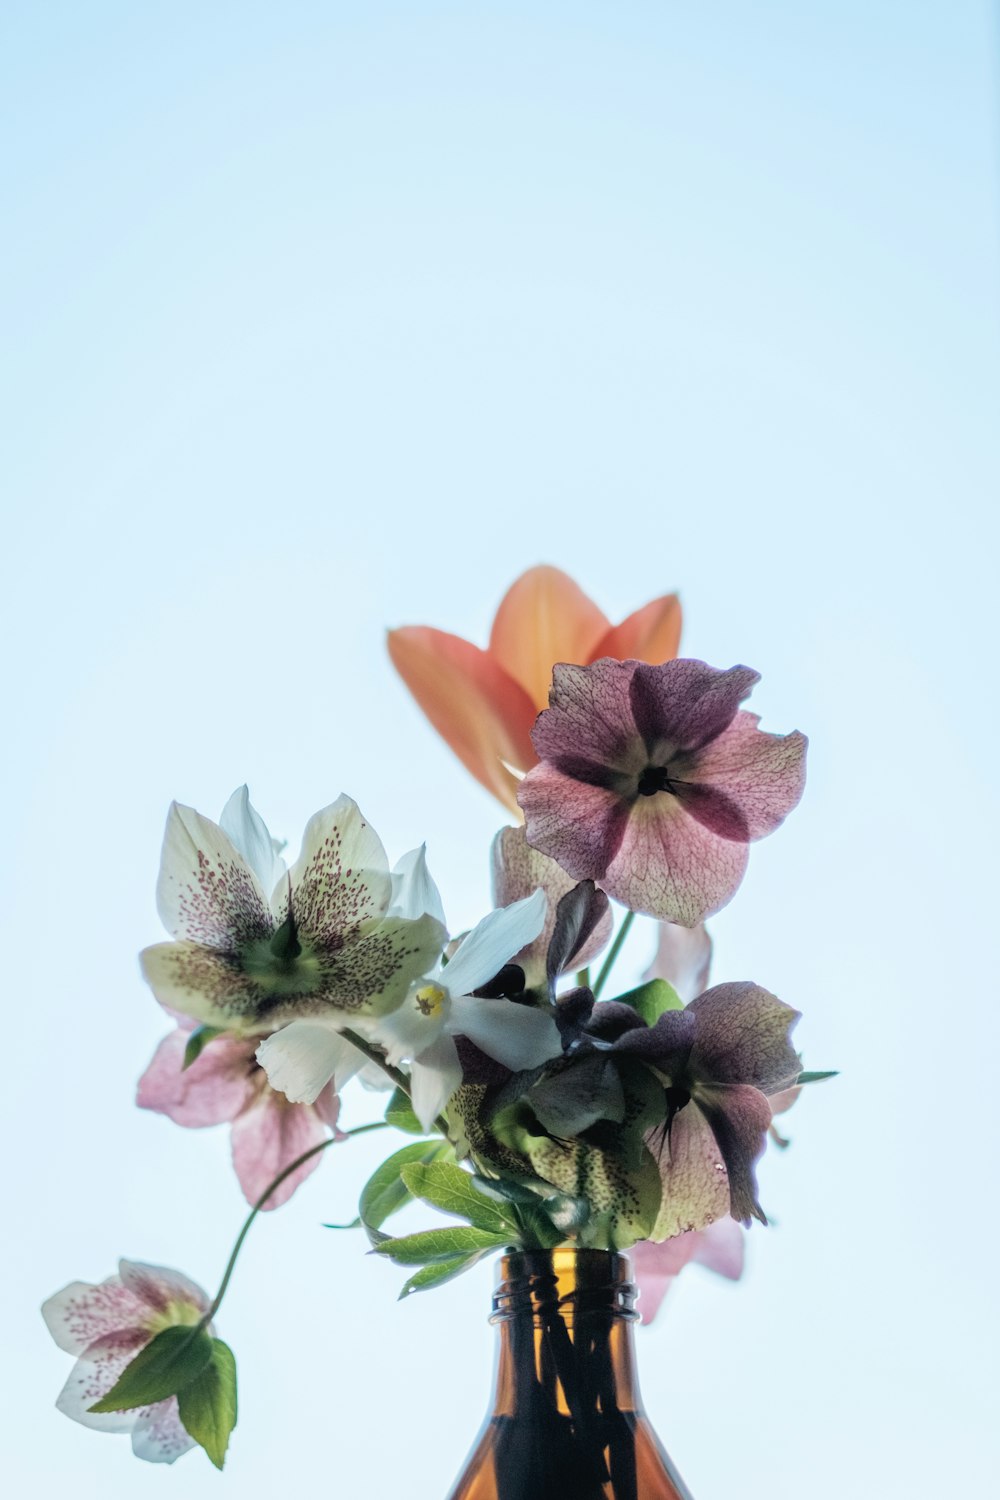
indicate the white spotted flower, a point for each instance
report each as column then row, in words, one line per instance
column 440, row 1005
column 256, row 945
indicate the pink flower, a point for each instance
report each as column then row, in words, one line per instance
column 225, row 1084
column 653, row 782
column 106, row 1326
column 720, row 1247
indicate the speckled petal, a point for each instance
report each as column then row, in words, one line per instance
column 159, row 1435
column 212, row 1090
column 82, row 1313
column 684, row 704
column 164, row 1290
column 693, row 1173
column 543, row 618
column 340, row 881
column 742, row 1037
column 579, row 826
column 590, row 719
column 517, row 870
column 266, row 1138
column 683, row 958
column 371, row 975
column 205, row 984
column 739, row 1117
column 670, row 866
column 763, row 775
column 95, row 1373
column 206, row 891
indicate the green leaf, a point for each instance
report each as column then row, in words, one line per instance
column 450, row 1188
column 399, row 1113
column 385, row 1191
column 568, row 1102
column 162, row 1368
column 197, row 1042
column 435, row 1245
column 354, row 1224
column 817, row 1077
column 439, row 1273
column 650, row 1000
column 207, row 1406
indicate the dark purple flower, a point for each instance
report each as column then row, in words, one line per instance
column 653, row 782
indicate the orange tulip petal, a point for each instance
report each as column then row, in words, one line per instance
column 483, row 714
column 651, row 634
column 544, row 617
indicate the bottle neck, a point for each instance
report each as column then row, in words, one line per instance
column 564, row 1319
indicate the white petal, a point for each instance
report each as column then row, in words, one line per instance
column 414, row 893
column 519, row 1036
column 159, row 1435
column 247, row 832
column 93, row 1376
column 407, row 1031
column 434, row 1077
column 340, row 880
column 493, row 942
column 302, row 1058
column 206, row 891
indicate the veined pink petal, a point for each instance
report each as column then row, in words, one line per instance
column 159, row 1435
column 651, row 634
column 684, row 704
column 693, row 1172
column 267, row 1138
column 518, row 869
column 81, row 1313
column 212, row 1090
column 683, row 958
column 206, row 891
column 163, row 1289
column 579, row 826
column 783, row 1100
column 722, row 1248
column 473, row 703
column 761, row 774
column 203, row 983
column 327, row 1106
column 589, row 722
column 668, row 865
column 656, row 1266
column 341, row 879
column 544, row 618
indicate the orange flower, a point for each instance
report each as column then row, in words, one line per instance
column 485, row 702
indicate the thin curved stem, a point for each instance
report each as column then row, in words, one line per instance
column 613, row 953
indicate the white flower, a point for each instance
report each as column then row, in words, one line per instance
column 257, row 945
column 302, row 1057
column 106, row 1326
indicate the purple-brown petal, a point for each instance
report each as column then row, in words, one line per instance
column 579, row 826
column 742, row 1037
column 762, row 775
column 589, row 719
column 685, row 704
column 739, row 1116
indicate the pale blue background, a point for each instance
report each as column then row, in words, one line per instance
column 323, row 317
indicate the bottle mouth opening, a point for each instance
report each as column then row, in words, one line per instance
column 564, row 1284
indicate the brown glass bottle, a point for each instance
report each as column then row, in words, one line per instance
column 567, row 1421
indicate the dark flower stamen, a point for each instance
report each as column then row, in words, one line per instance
column 655, row 779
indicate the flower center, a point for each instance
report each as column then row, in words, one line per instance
column 429, row 1000
column 654, row 779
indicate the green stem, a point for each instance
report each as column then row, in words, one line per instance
column 613, row 953
column 374, row 1055
column 271, row 1188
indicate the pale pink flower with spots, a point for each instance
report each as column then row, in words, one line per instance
column 105, row 1326
column 257, row 947
column 226, row 1084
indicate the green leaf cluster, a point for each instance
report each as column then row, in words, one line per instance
column 187, row 1362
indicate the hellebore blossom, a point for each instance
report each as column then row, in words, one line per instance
column 720, row 1246
column 485, row 702
column 518, row 869
column 321, row 941
column 105, row 1326
column 224, row 1085
column 653, row 782
column 441, row 1005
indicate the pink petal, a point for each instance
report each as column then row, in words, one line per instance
column 266, row 1138
column 669, row 866
column 518, row 870
column 212, row 1090
column 685, row 704
column 784, row 1100
column 159, row 1436
column 82, row 1313
column 655, row 1269
column 207, row 892
column 694, row 1176
column 327, row 1105
column 590, row 718
column 578, row 825
column 763, row 775
column 162, row 1288
column 683, row 958
column 739, row 1116
column 95, row 1373
column 722, row 1248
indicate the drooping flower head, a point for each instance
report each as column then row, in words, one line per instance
column 653, row 782
column 483, row 703
column 105, row 1326
column 322, row 940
